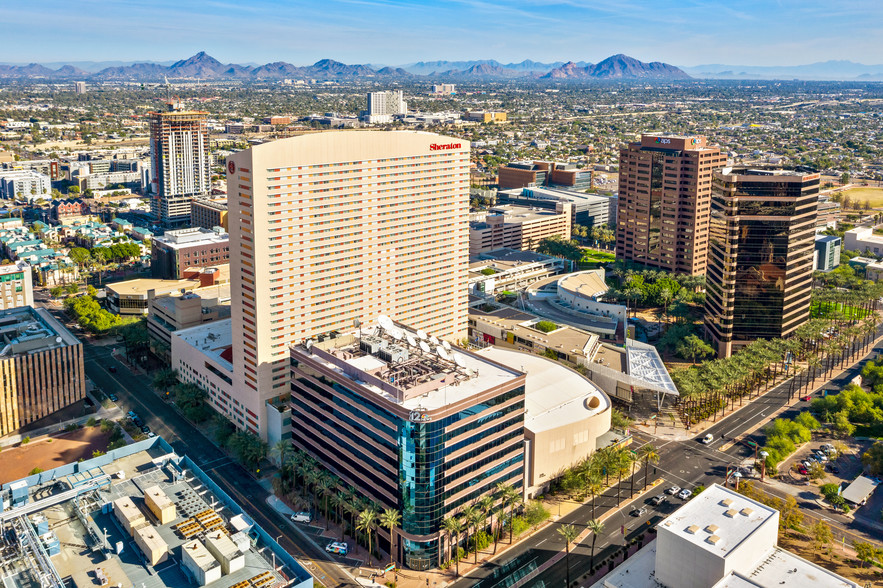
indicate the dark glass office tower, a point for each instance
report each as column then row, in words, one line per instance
column 761, row 235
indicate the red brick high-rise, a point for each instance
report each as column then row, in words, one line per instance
column 664, row 202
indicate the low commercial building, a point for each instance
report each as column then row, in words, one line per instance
column 826, row 255
column 167, row 313
column 514, row 227
column 71, row 511
column 16, row 285
column 589, row 210
column 413, row 425
column 132, row 296
column 506, row 269
column 42, row 369
column 566, row 416
column 485, row 116
column 526, row 174
column 863, row 240
column 177, row 250
column 197, row 560
column 719, row 539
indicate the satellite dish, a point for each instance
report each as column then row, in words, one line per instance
column 58, row 339
column 421, row 334
column 410, row 339
column 433, row 339
column 446, row 345
column 385, row 322
column 372, row 332
column 396, row 333
column 308, row 344
column 458, row 359
column 425, row 347
column 440, row 351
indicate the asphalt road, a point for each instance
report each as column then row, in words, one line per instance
column 185, row 439
column 682, row 463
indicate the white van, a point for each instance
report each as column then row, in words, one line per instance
column 302, row 517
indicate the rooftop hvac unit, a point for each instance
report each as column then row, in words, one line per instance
column 393, row 354
column 372, row 345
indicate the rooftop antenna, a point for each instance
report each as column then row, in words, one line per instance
column 358, row 324
column 446, row 345
column 433, row 339
column 458, row 359
column 424, row 346
column 385, row 322
column 411, row 341
column 421, row 334
column 440, row 351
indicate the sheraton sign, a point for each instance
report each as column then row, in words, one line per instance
column 445, row 146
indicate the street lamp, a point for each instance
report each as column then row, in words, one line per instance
column 737, row 475
column 763, row 456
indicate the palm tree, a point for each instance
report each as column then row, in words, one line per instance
column 623, row 459
column 470, row 517
column 391, row 518
column 596, row 527
column 569, row 534
column 593, row 486
column 338, row 503
column 325, row 487
column 453, row 527
column 649, row 454
column 281, row 450
column 367, row 523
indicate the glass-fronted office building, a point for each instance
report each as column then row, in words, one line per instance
column 411, row 431
column 761, row 241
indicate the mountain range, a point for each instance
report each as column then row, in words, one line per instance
column 205, row 67
column 823, row 70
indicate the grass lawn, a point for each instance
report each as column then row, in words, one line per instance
column 859, row 195
column 595, row 256
column 824, row 310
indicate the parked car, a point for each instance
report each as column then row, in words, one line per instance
column 638, row 512
column 112, row 369
column 673, row 490
column 113, row 397
column 684, row 494
column 137, row 422
column 802, row 470
column 708, row 439
column 337, row 547
column 657, row 500
column 832, row 468
column 807, row 464
column 302, row 517
column 145, row 429
column 131, row 414
column 150, row 434
column 821, row 456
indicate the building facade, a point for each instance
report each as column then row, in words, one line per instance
column 515, row 227
column 334, row 227
column 383, row 106
column 827, row 253
column 759, row 277
column 42, row 367
column 589, row 210
column 180, row 249
column 664, row 202
column 522, row 174
column 24, row 184
column 412, row 430
column 208, row 214
column 180, row 164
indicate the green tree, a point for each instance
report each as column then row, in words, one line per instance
column 865, row 552
column 821, row 535
column 367, row 523
column 596, row 527
column 453, row 527
column 873, row 458
column 391, row 518
column 693, row 348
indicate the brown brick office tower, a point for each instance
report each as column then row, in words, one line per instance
column 759, row 278
column 664, row 201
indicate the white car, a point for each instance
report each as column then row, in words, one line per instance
column 337, row 547
column 673, row 490
column 684, row 494
column 708, row 439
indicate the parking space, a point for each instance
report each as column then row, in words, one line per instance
column 839, row 460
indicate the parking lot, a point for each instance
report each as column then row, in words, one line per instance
column 838, row 468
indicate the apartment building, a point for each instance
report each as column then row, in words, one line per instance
column 180, row 164
column 516, row 227
column 329, row 228
column 24, row 184
column 209, row 213
column 41, row 365
column 665, row 201
column 383, row 106
column 16, row 285
column 762, row 240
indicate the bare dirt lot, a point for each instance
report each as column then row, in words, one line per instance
column 50, row 452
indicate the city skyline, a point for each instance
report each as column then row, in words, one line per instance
column 393, row 32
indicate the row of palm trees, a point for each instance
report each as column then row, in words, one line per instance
column 497, row 510
column 569, row 534
column 301, row 475
column 819, row 345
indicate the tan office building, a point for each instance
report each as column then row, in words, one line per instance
column 759, row 280
column 664, row 202
column 518, row 227
column 332, row 227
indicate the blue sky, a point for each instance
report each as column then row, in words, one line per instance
column 393, row 32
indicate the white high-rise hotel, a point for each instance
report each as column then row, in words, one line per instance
column 333, row 227
column 383, row 105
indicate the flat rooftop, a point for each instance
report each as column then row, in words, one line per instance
column 782, row 568
column 425, row 375
column 79, row 524
column 589, row 283
column 191, row 237
column 212, row 339
column 26, row 330
column 719, row 513
column 142, row 286
column 554, row 395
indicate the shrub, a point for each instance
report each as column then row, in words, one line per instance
column 116, row 444
column 72, row 427
column 26, row 440
column 91, row 422
column 35, row 471
column 545, row 326
column 97, row 453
